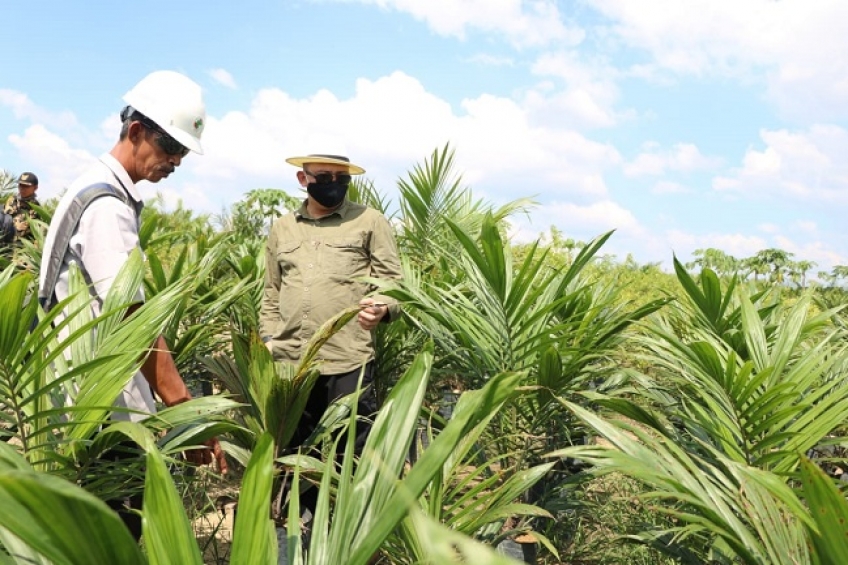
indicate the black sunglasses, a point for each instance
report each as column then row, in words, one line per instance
column 165, row 142
column 324, row 178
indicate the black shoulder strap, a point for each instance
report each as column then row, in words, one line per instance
column 66, row 228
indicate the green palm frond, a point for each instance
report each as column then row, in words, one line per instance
column 274, row 394
column 257, row 541
column 743, row 391
column 766, row 409
column 60, row 380
column 49, row 520
column 829, row 510
column 46, row 519
column 202, row 319
column 717, row 502
column 364, row 192
column 369, row 500
column 432, row 194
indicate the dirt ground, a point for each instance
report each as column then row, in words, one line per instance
column 214, row 532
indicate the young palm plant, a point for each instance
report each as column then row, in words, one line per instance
column 743, row 391
column 47, row 519
column 58, row 392
column 361, row 504
column 50, row 520
column 273, row 395
column 201, row 323
column 433, row 197
column 554, row 326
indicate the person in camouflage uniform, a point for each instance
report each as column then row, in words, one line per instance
column 18, row 205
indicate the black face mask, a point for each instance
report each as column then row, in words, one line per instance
column 327, row 194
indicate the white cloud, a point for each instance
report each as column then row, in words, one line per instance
column 24, row 108
column 806, row 226
column 799, row 48
column 587, row 98
column 742, row 246
column 223, row 77
column 581, row 222
column 491, row 60
column 803, row 165
column 682, row 157
column 585, row 222
column 523, row 22
column 393, row 122
column 55, row 162
column 669, row 187
column 173, row 192
column 817, row 251
column 388, row 125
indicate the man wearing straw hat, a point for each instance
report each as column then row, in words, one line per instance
column 316, row 259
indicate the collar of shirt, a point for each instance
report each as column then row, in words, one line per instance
column 121, row 174
column 303, row 213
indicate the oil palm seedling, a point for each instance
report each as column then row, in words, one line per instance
column 273, row 394
column 50, row 520
column 737, row 396
column 201, row 323
column 362, row 503
column 59, row 377
column 53, row 520
column 433, row 196
column 721, row 509
column 556, row 326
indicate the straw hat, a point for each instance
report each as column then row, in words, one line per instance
column 318, row 158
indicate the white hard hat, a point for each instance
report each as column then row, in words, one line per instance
column 174, row 102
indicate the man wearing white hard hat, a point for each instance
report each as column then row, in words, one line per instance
column 316, row 262
column 97, row 221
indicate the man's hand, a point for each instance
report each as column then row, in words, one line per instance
column 371, row 313
column 160, row 370
column 205, row 456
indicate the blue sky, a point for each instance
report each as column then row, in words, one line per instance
column 682, row 124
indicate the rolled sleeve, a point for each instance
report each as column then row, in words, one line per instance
column 269, row 313
column 385, row 262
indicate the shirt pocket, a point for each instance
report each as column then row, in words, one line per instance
column 287, row 254
column 347, row 257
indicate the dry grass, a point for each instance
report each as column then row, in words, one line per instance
column 600, row 513
column 210, row 501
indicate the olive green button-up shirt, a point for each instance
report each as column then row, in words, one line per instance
column 314, row 269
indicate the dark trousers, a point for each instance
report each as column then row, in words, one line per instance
column 128, row 507
column 327, row 389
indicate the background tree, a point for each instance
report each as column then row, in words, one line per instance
column 8, row 183
column 252, row 216
column 778, row 262
column 839, row 273
column 798, row 271
column 754, row 266
column 715, row 259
